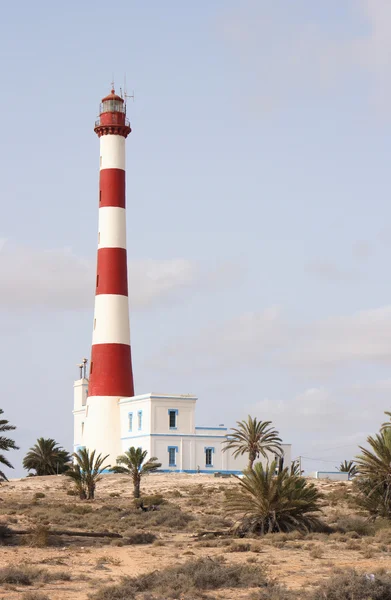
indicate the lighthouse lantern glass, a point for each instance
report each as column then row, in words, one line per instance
column 113, row 106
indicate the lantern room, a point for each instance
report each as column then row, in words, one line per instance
column 112, row 103
column 112, row 113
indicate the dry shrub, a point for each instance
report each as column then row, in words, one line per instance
column 140, row 538
column 197, row 490
column 5, row 534
column 149, row 501
column 35, row 596
column 39, row 537
column 78, row 509
column 353, row 545
column 196, row 575
column 38, row 495
column 237, row 547
column 108, row 560
column 175, row 494
column 275, row 592
column 337, row 496
column 26, row 575
column 317, row 552
column 355, row 524
column 351, row 585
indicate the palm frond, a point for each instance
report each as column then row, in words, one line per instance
column 267, row 503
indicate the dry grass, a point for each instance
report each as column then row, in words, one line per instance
column 35, row 596
column 185, row 580
column 298, row 560
column 27, row 575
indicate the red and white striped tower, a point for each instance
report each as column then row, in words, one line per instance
column 111, row 375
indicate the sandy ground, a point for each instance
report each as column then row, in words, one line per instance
column 293, row 562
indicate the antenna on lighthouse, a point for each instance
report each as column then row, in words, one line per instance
column 126, row 95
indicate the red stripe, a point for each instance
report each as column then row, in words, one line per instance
column 112, row 188
column 111, row 371
column 112, row 272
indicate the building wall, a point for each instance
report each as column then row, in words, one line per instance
column 155, row 436
column 330, row 475
column 185, row 408
column 80, row 393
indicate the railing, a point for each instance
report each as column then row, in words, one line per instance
column 98, row 122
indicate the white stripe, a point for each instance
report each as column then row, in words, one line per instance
column 112, row 227
column 111, row 320
column 112, row 152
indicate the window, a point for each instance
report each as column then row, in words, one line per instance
column 172, row 450
column 97, row 280
column 209, row 457
column 94, row 323
column 130, row 421
column 100, row 191
column 140, row 419
column 172, row 416
column 91, row 366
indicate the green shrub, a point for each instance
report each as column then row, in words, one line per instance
column 39, row 495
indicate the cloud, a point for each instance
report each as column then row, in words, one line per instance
column 323, row 424
column 60, row 280
column 263, row 339
column 362, row 250
column 284, row 54
column 331, row 272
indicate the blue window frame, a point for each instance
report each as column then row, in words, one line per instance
column 172, row 452
column 172, row 418
column 140, row 419
column 130, row 421
column 209, row 457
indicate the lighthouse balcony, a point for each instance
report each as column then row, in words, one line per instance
column 112, row 119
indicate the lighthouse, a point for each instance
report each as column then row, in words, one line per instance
column 108, row 417
column 111, row 375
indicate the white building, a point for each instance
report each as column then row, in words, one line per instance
column 164, row 425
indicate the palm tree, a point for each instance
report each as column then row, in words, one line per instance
column 254, row 438
column 6, row 444
column 269, row 503
column 46, row 457
column 387, row 423
column 348, row 467
column 295, row 468
column 132, row 463
column 374, row 474
column 86, row 472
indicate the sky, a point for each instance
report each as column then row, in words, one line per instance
column 259, row 224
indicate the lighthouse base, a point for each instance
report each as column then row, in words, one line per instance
column 97, row 427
